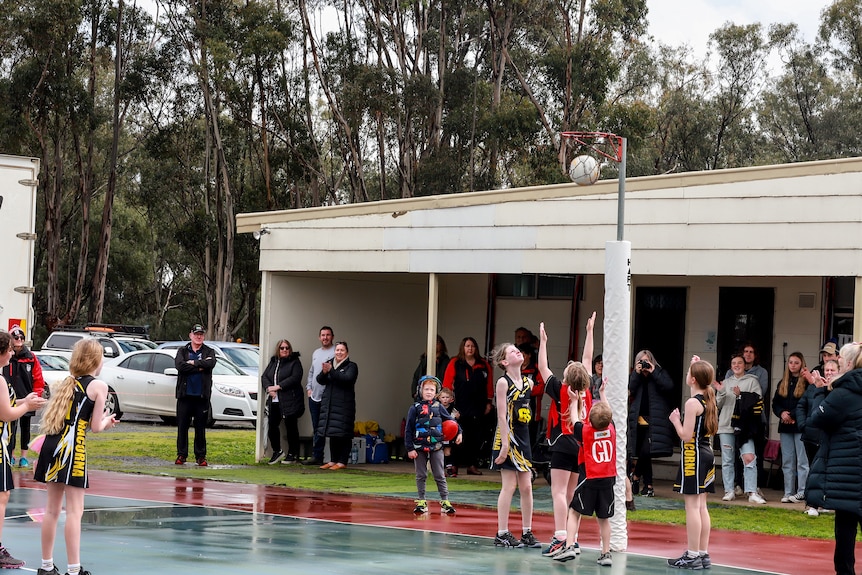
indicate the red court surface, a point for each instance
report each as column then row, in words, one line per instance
column 760, row 553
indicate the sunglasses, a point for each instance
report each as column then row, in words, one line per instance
column 21, row 337
column 284, row 348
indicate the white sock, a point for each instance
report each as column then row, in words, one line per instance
column 74, row 569
column 692, row 553
column 502, row 532
column 560, row 535
column 47, row 564
column 526, row 530
column 702, row 553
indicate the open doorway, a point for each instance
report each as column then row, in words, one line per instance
column 659, row 326
column 745, row 315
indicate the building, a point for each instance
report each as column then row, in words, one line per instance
column 770, row 254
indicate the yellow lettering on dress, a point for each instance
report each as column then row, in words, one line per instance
column 80, row 450
column 689, row 459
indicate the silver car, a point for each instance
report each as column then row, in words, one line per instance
column 145, row 382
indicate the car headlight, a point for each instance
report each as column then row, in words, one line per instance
column 229, row 390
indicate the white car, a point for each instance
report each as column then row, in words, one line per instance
column 146, row 381
column 245, row 355
column 55, row 368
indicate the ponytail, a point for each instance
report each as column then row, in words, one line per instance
column 58, row 406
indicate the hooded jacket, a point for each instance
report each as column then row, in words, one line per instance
column 24, row 372
column 286, row 372
column 834, row 479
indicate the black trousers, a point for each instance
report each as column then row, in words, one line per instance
column 192, row 410
column 339, row 448
column 845, row 542
column 24, row 424
column 291, row 425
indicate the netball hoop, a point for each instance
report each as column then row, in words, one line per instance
column 616, row 334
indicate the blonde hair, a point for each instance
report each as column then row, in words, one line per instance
column 704, row 374
column 601, row 415
column 86, row 359
column 498, row 356
column 784, row 386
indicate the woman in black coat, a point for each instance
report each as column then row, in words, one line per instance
column 834, row 479
column 338, row 405
column 650, row 433
column 285, row 400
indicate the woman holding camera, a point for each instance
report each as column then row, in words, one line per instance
column 650, row 433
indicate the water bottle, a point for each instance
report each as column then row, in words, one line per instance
column 354, row 454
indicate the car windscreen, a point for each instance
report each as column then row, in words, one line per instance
column 53, row 363
column 242, row 356
column 225, row 367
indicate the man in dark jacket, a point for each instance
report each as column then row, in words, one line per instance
column 195, row 362
column 834, row 479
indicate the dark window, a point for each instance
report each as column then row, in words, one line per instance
column 536, row 286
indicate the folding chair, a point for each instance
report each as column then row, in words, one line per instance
column 771, row 455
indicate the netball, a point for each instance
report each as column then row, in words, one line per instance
column 584, row 170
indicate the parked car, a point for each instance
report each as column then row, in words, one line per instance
column 55, row 368
column 245, row 355
column 145, row 382
column 114, row 344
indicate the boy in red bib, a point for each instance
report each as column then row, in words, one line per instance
column 594, row 493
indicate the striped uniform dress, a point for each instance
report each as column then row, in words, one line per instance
column 63, row 458
column 518, row 415
column 697, row 460
column 5, row 427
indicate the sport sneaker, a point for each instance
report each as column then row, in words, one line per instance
column 786, row 499
column 446, row 507
column 12, row 460
column 568, row 553
column 290, row 459
column 729, row 496
column 276, row 457
column 23, row 462
column 756, row 498
column 685, row 561
column 82, row 572
column 53, row 571
column 648, row 492
column 421, row 506
column 507, row 540
column 202, row 462
column 9, row 562
column 180, row 460
column 705, row 561
column 605, row 559
column 812, row 512
column 451, row 471
column 798, row 498
column 555, row 547
column 529, row 540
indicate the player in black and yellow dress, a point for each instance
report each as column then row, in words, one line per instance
column 10, row 412
column 518, row 417
column 77, row 404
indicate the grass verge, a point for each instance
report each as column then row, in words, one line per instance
column 232, row 451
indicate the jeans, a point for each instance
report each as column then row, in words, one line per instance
column 728, row 464
column 318, row 441
column 794, row 463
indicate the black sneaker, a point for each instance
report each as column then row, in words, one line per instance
column 9, row 562
column 705, row 561
column 685, row 561
column 53, row 571
column 605, row 559
column 290, row 459
column 313, row 461
column 507, row 540
column 276, row 457
column 648, row 492
column 181, row 459
column 568, row 553
column 529, row 540
column 82, row 572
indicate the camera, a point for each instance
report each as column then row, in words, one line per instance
column 645, row 364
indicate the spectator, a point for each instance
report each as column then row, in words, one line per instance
column 650, row 433
column 739, row 395
column 24, row 373
column 195, row 362
column 828, row 352
column 442, row 355
column 523, row 336
column 794, row 462
column 447, row 400
column 320, row 356
column 282, row 385
column 469, row 376
column 805, row 409
column 837, row 468
column 338, row 405
column 596, row 378
column 753, row 367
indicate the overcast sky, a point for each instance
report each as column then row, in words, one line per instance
column 677, row 22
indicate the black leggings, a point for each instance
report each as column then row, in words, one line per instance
column 845, row 541
column 643, row 466
column 291, row 425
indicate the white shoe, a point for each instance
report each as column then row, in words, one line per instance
column 729, row 496
column 812, row 512
column 755, row 498
column 798, row 498
column 786, row 499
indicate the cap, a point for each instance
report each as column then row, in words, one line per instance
column 16, row 329
column 829, row 348
column 198, row 328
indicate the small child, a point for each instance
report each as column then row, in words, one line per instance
column 595, row 490
column 447, row 399
column 511, row 453
column 423, row 439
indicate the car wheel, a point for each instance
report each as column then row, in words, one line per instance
column 112, row 404
column 168, row 419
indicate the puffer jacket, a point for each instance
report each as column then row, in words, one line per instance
column 834, row 479
column 789, row 403
column 806, row 408
column 659, row 387
column 338, row 404
column 286, row 372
